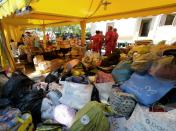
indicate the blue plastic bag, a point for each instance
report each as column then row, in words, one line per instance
column 122, row 72
column 146, row 88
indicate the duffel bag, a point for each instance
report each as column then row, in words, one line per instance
column 146, row 88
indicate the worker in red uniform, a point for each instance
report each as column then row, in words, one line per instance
column 96, row 42
column 116, row 36
column 47, row 37
column 102, row 41
column 109, row 41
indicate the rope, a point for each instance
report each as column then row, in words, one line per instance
column 98, row 7
column 90, row 7
column 28, row 2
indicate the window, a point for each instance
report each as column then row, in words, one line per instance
column 169, row 19
column 145, row 27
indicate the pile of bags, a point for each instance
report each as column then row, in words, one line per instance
column 82, row 95
column 149, row 74
column 13, row 119
column 20, row 103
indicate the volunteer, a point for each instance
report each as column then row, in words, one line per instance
column 102, row 41
column 96, row 42
column 13, row 46
column 116, row 36
column 109, row 41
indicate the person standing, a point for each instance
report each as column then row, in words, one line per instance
column 96, row 42
column 109, row 41
column 47, row 37
column 102, row 41
column 116, row 36
column 13, row 46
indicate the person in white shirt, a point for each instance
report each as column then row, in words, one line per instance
column 14, row 49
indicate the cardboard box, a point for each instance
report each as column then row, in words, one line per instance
column 37, row 59
column 48, row 66
column 56, row 63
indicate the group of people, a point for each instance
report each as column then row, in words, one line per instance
column 21, row 49
column 110, row 40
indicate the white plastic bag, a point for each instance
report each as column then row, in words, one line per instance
column 143, row 120
column 47, row 109
column 76, row 95
column 91, row 59
column 104, row 90
column 64, row 115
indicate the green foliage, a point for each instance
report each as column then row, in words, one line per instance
column 71, row 29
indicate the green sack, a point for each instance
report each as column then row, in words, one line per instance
column 91, row 118
column 43, row 127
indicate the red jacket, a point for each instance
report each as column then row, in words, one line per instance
column 109, row 38
column 116, row 36
column 97, row 40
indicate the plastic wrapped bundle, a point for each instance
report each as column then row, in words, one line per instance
column 64, row 115
column 91, row 59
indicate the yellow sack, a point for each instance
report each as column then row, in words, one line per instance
column 142, row 62
column 26, row 122
column 168, row 48
column 140, row 49
column 123, row 56
column 157, row 50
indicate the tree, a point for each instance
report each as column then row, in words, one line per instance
column 70, row 29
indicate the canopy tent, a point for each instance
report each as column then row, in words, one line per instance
column 62, row 12
column 9, row 6
column 66, row 11
column 97, row 10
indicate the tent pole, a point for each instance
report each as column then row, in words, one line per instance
column 18, row 31
column 5, row 42
column 83, row 32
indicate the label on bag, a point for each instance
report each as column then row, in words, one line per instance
column 85, row 119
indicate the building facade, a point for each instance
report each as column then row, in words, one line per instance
column 156, row 28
